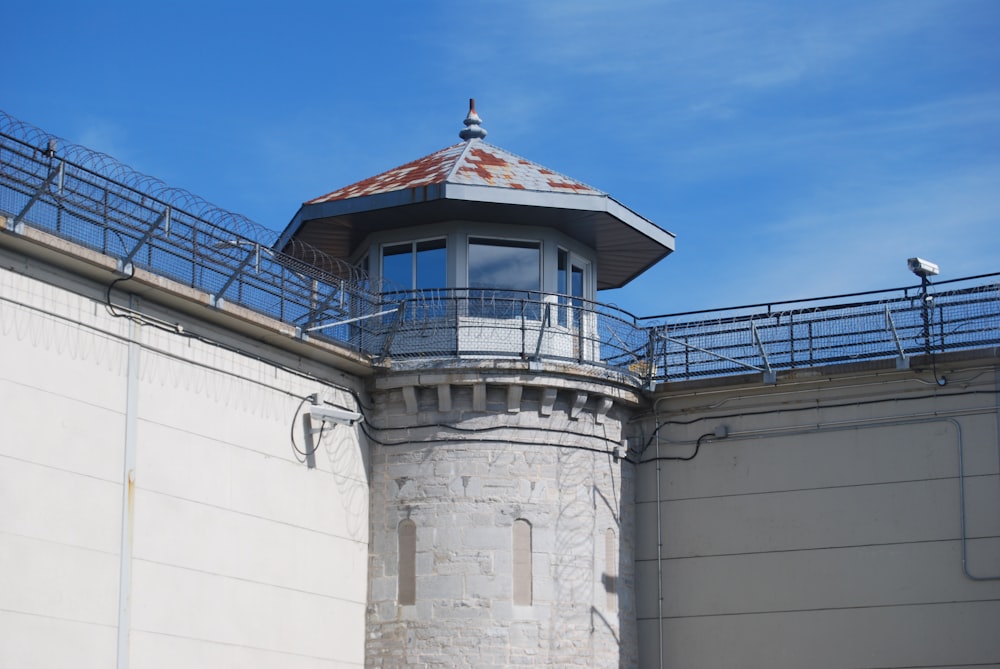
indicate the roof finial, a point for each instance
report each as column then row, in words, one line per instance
column 472, row 121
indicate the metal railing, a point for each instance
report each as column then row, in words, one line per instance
column 91, row 199
column 491, row 324
column 900, row 323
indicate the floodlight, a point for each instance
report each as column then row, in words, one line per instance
column 922, row 268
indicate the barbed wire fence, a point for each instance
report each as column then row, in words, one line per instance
column 900, row 324
column 95, row 201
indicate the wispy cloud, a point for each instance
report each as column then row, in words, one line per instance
column 683, row 48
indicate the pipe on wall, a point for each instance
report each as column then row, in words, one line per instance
column 907, row 419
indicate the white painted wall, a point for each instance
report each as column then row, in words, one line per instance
column 826, row 530
column 240, row 555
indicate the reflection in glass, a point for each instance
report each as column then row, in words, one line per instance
column 397, row 266
column 561, row 283
column 504, row 278
column 419, row 269
column 431, row 265
column 570, row 289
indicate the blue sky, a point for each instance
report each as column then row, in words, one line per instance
column 796, row 148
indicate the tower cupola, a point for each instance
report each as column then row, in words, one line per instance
column 474, row 189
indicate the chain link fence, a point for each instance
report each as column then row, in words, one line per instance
column 91, row 200
column 899, row 324
column 94, row 201
column 491, row 324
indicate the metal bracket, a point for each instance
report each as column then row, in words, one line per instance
column 545, row 322
column 712, row 353
column 353, row 320
column 17, row 225
column 125, row 264
column 387, row 344
column 770, row 377
column 321, row 307
column 216, row 299
column 902, row 362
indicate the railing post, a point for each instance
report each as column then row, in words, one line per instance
column 650, row 358
column 459, row 308
column 812, row 352
column 400, row 315
column 687, row 358
column 940, row 320
column 769, row 375
column 901, row 361
column 524, row 333
column 791, row 338
column 545, row 320
column 53, row 173
column 925, row 308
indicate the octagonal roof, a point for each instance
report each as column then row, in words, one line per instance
column 478, row 182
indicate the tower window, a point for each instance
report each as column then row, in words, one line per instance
column 505, row 264
column 505, row 278
column 415, row 265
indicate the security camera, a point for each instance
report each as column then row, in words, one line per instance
column 922, row 268
column 335, row 414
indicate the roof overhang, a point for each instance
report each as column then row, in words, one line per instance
column 626, row 243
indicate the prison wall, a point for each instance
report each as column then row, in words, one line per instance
column 841, row 518
column 502, row 522
column 153, row 509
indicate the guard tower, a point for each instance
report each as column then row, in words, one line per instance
column 500, row 503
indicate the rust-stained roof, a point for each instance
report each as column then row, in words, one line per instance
column 473, row 163
column 477, row 183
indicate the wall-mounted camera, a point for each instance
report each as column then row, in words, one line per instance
column 922, row 268
column 334, row 414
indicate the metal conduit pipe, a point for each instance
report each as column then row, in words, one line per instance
column 793, row 387
column 659, row 552
column 910, row 419
column 916, row 420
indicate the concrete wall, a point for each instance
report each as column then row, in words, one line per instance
column 825, row 530
column 152, row 510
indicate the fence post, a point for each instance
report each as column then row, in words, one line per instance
column 651, row 358
column 524, row 334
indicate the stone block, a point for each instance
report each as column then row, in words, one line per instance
column 488, row 587
column 437, row 586
column 457, row 611
column 524, row 635
column 487, row 538
column 424, row 563
column 383, row 589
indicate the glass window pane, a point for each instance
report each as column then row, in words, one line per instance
column 432, row 278
column 504, row 265
column 577, row 284
column 563, row 263
column 561, row 284
column 432, row 262
column 397, row 266
column 576, row 289
column 505, row 277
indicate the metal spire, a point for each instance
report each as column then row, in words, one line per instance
column 472, row 121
